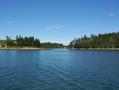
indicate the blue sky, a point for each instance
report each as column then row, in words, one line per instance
column 58, row 20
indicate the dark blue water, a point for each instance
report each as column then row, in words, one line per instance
column 59, row 69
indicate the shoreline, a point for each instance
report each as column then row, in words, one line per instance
column 24, row 48
column 96, row 49
column 81, row 49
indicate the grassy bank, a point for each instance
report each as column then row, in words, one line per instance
column 23, row 48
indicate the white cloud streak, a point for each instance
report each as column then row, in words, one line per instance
column 10, row 21
column 111, row 14
column 54, row 27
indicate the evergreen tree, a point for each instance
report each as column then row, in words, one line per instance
column 107, row 40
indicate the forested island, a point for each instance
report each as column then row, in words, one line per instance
column 27, row 43
column 107, row 41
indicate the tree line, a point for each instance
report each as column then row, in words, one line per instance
column 31, row 41
column 23, row 41
column 107, row 40
column 51, row 45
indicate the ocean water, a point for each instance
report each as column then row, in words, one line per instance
column 59, row 69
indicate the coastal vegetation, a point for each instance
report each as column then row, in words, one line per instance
column 107, row 41
column 100, row 41
column 22, row 42
column 51, row 45
column 26, row 42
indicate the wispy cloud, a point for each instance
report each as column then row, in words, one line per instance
column 111, row 14
column 10, row 21
column 54, row 27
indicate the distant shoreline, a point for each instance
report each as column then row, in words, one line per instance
column 81, row 49
column 96, row 49
column 24, row 48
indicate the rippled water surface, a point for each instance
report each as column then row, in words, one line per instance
column 59, row 69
